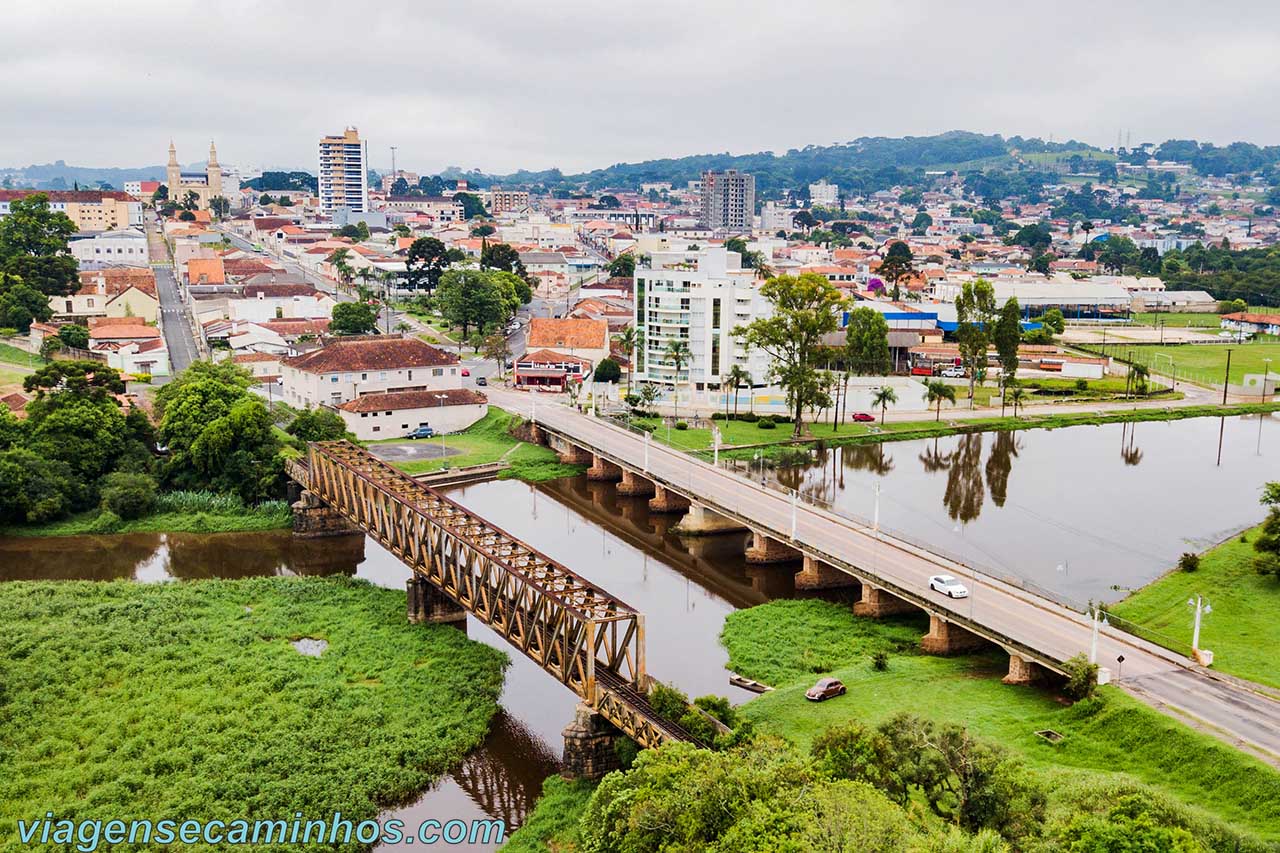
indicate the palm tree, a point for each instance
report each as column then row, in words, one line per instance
column 677, row 352
column 1016, row 396
column 630, row 339
column 737, row 377
column 935, row 391
column 883, row 397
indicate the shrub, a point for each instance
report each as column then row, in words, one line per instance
column 128, row 495
column 106, row 522
column 681, row 425
column 1082, row 385
column 718, row 707
column 780, row 419
column 765, row 423
column 718, row 416
column 699, row 726
column 668, row 701
column 1189, row 562
column 748, row 417
column 880, row 661
column 626, row 749
column 1082, row 678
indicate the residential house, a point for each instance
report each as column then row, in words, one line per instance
column 549, row 369
column 112, row 292
column 394, row 414
column 347, row 368
column 129, row 345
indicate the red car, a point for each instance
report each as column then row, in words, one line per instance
column 466, row 372
column 863, row 417
column 826, row 688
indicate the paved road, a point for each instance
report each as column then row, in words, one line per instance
column 174, row 322
column 1157, row 675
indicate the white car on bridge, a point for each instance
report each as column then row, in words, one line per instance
column 948, row 586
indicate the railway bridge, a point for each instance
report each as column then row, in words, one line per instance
column 584, row 637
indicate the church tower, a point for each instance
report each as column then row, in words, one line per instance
column 214, row 172
column 174, row 174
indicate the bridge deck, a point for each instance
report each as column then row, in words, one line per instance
column 588, row 639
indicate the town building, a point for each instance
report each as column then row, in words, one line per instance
column 504, row 201
column 347, row 368
column 823, row 194
column 90, row 210
column 111, row 292
column 548, row 369
column 343, row 176
column 126, row 246
column 439, row 208
column 728, row 200
column 206, row 185
column 1251, row 323
column 395, row 414
column 587, row 339
column 129, row 345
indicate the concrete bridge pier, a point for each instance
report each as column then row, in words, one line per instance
column 765, row 550
column 876, row 602
column 569, row 453
column 948, row 638
column 1023, row 670
column 604, row 470
column 633, row 485
column 819, row 575
column 700, row 521
column 425, row 603
column 589, row 746
column 665, row 500
column 312, row 518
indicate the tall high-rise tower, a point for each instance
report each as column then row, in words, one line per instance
column 344, row 176
column 728, row 200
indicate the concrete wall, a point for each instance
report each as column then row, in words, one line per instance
column 368, row 426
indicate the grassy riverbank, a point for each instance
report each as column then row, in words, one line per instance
column 188, row 700
column 1244, row 628
column 181, row 512
column 553, row 824
column 787, row 643
column 490, row 440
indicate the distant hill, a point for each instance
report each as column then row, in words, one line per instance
column 60, row 176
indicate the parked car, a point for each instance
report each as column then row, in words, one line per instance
column 480, row 380
column 948, row 586
column 953, row 372
column 863, row 417
column 466, row 372
column 423, row 431
column 826, row 688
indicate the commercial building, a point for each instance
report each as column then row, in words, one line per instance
column 395, row 414
column 90, row 210
column 728, row 200
column 127, row 246
column 206, row 185
column 697, row 297
column 348, row 368
column 504, row 201
column 344, row 175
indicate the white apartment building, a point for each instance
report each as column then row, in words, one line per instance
column 698, row 297
column 775, row 217
column 127, row 246
column 824, row 194
column 343, row 177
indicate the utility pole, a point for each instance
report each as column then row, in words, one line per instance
column 1226, row 379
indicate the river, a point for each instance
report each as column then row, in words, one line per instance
column 1080, row 511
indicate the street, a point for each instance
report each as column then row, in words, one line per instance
column 175, row 323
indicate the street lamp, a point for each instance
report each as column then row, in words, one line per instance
column 443, row 449
column 1202, row 608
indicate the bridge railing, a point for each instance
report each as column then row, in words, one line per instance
column 560, row 620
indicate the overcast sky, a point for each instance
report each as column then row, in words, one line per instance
column 577, row 85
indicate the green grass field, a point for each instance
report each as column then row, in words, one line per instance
column 1207, row 362
column 188, row 701
column 1180, row 320
column 274, row 516
column 788, row 643
column 1244, row 628
column 555, row 820
column 12, row 355
column 489, row 440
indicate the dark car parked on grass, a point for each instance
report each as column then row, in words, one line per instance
column 826, row 688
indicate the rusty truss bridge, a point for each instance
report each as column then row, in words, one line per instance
column 587, row 639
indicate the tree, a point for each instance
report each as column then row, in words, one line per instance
column 21, row 305
column 1017, row 396
column 501, row 256
column 607, row 371
column 975, row 313
column 804, row 310
column 353, row 318
column 399, row 186
column 896, row 266
column 883, row 397
column 74, row 335
column 935, row 391
column 161, row 194
column 677, row 352
column 128, row 495
column 1266, row 544
column 630, row 340
column 1053, row 320
column 265, row 200
column 469, row 299
column 318, row 424
column 220, row 208
column 34, row 247
column 338, row 260
column 648, row 393
column 736, row 378
column 471, row 206
column 623, row 266
column 75, row 418
column 867, row 342
column 1007, row 335
column 498, row 348
column 425, row 263
column 35, row 489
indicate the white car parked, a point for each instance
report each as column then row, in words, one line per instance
column 948, row 586
column 953, row 372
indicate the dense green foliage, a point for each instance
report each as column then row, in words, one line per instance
column 354, row 318
column 318, row 424
column 34, row 249
column 480, row 300
column 1249, row 274
column 554, row 820
column 188, row 701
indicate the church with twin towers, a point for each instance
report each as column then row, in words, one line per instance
column 206, row 185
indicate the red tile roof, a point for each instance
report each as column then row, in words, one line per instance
column 116, row 280
column 571, row 333
column 371, row 353
column 398, row 400
column 121, row 331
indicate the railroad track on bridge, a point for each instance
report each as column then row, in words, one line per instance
column 584, row 637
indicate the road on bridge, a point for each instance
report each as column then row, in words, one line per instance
column 1224, row 707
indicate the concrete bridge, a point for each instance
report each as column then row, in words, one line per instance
column 587, row 639
column 827, row 550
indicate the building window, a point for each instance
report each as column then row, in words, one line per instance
column 438, row 371
column 377, row 429
column 334, row 379
column 715, row 313
column 364, row 377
